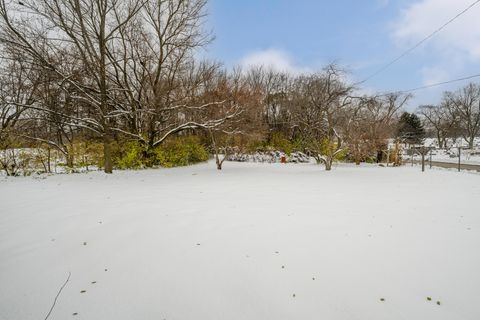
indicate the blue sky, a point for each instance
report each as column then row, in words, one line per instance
column 304, row 35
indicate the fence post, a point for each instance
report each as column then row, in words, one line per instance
column 459, row 156
column 423, row 161
column 430, row 158
column 411, row 150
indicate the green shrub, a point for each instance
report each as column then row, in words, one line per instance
column 342, row 155
column 279, row 142
column 130, row 156
column 181, row 151
column 88, row 154
column 326, row 147
column 255, row 145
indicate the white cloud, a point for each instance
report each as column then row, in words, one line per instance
column 461, row 37
column 273, row 59
column 451, row 53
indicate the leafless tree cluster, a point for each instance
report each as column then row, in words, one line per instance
column 457, row 116
column 323, row 114
column 108, row 68
column 374, row 121
column 80, row 72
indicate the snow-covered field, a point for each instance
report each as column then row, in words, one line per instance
column 467, row 156
column 255, row 241
column 450, row 156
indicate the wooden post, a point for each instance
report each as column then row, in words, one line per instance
column 411, row 150
column 423, row 161
column 49, row 156
column 459, row 156
column 388, row 155
column 430, row 158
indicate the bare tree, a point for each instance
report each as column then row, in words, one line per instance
column 320, row 111
column 19, row 82
column 163, row 88
column 232, row 115
column 85, row 29
column 372, row 122
column 54, row 113
column 272, row 88
column 464, row 105
column 440, row 120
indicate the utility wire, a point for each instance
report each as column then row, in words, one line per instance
column 431, row 85
column 419, row 43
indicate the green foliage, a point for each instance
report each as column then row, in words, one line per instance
column 131, row 157
column 326, row 147
column 410, row 128
column 277, row 142
column 255, row 145
column 329, row 147
column 342, row 155
column 370, row 160
column 181, row 151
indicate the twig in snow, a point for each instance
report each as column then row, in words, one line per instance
column 58, row 294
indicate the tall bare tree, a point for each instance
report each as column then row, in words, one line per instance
column 440, row 120
column 464, row 105
column 19, row 83
column 372, row 123
column 85, row 30
column 321, row 104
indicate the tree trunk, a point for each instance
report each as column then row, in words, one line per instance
column 440, row 142
column 470, row 142
column 217, row 160
column 49, row 159
column 328, row 164
column 107, row 138
column 358, row 158
column 107, row 154
column 69, row 158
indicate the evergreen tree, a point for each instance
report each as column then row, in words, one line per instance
column 410, row 129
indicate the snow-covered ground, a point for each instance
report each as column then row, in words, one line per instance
column 255, row 241
column 452, row 143
column 450, row 156
column 467, row 156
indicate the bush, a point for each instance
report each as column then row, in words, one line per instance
column 131, row 157
column 280, row 143
column 16, row 162
column 181, row 151
column 277, row 142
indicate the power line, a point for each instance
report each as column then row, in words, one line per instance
column 420, row 42
column 432, row 85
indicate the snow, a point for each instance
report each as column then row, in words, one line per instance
column 253, row 241
column 270, row 157
column 452, row 143
column 466, row 156
column 450, row 154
